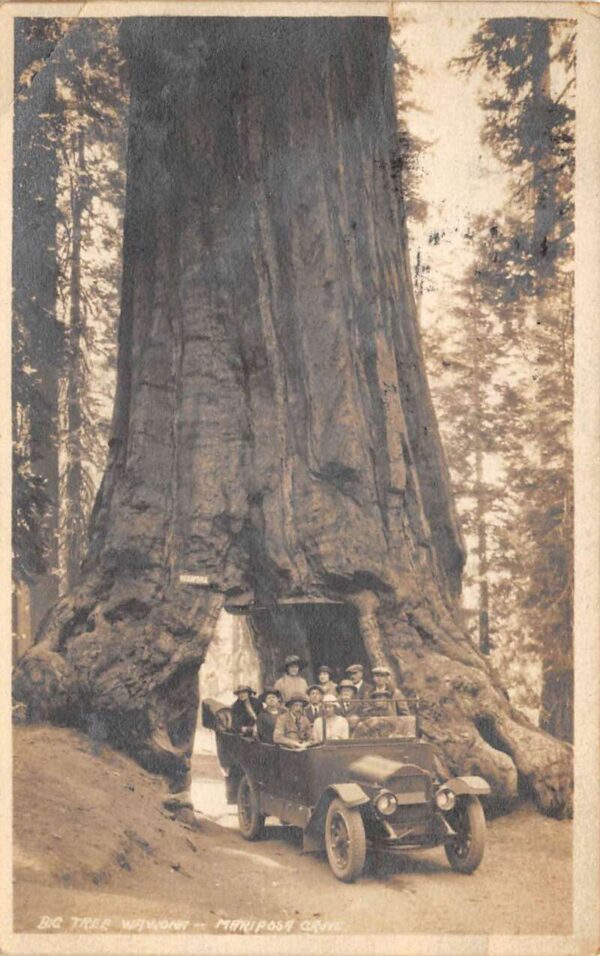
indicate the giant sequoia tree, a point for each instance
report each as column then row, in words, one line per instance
column 273, row 430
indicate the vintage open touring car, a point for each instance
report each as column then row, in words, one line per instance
column 377, row 790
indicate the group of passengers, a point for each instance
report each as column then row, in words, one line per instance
column 293, row 714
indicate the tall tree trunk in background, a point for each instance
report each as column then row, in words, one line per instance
column 273, row 428
column 74, row 511
column 481, row 497
column 35, row 270
column 557, row 542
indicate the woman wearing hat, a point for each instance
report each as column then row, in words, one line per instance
column 331, row 726
column 325, row 679
column 245, row 710
column 291, row 682
column 266, row 720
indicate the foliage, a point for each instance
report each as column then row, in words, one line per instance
column 407, row 167
column 29, row 498
column 519, row 294
column 81, row 129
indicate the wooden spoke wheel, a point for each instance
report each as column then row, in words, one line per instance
column 251, row 820
column 465, row 852
column 345, row 841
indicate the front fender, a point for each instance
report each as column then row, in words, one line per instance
column 351, row 793
column 467, row 785
column 353, row 796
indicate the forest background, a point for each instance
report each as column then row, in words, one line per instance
column 486, row 154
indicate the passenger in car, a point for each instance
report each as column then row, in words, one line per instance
column 381, row 703
column 325, row 679
column 315, row 699
column 292, row 728
column 383, row 682
column 331, row 726
column 347, row 698
column 267, row 718
column 291, row 682
column 356, row 673
column 245, row 710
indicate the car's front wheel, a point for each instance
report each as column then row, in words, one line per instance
column 251, row 821
column 345, row 841
column 465, row 852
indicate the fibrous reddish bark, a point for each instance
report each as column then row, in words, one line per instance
column 273, row 428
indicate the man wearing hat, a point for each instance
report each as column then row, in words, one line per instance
column 245, row 710
column 315, row 699
column 356, row 674
column 347, row 698
column 383, row 683
column 292, row 728
column 325, row 679
column 266, row 720
column 331, row 726
column 291, row 682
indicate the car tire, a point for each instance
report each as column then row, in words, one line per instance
column 251, row 821
column 345, row 841
column 465, row 852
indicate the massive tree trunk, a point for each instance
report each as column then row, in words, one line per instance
column 273, row 429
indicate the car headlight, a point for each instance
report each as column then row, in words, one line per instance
column 386, row 803
column 445, row 799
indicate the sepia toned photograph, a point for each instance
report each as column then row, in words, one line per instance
column 292, row 325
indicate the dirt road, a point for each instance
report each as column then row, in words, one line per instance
column 101, row 848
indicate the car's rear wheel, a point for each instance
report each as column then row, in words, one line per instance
column 465, row 852
column 345, row 841
column 251, row 821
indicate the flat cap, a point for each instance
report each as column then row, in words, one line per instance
column 354, row 669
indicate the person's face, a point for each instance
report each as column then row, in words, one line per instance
column 356, row 677
column 323, row 677
column 243, row 695
column 315, row 697
column 329, row 709
column 271, row 701
column 296, row 708
column 379, row 679
column 293, row 670
column 346, row 693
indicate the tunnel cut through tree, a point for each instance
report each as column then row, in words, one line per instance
column 273, row 429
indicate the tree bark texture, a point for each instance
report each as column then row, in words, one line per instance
column 74, row 511
column 273, row 427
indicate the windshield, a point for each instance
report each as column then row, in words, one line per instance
column 374, row 719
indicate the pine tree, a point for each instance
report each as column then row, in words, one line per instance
column 528, row 67
column 91, row 136
column 69, row 145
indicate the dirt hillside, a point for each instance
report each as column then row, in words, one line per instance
column 93, row 843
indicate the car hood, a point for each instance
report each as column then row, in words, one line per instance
column 378, row 770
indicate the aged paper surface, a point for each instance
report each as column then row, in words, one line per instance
column 87, row 930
